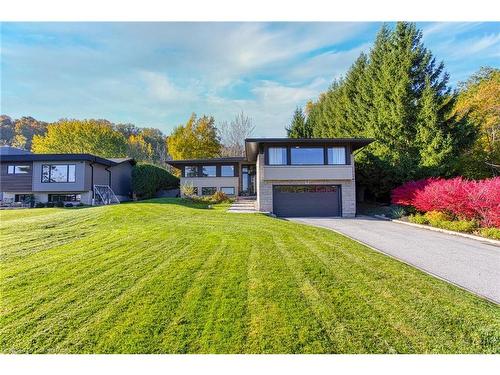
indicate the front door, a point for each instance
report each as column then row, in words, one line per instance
column 247, row 180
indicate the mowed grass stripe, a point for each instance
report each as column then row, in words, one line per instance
column 163, row 276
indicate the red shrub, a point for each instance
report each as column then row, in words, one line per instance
column 462, row 198
column 405, row 194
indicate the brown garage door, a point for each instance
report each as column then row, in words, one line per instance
column 306, row 200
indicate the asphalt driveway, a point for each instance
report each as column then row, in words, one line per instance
column 471, row 264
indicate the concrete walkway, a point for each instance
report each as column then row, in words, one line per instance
column 471, row 264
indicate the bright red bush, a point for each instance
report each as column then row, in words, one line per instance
column 405, row 194
column 457, row 196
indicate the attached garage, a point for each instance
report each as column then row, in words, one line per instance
column 306, row 200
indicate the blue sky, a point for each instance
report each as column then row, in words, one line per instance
column 157, row 74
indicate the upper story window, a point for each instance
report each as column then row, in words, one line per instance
column 307, row 155
column 227, row 170
column 277, row 155
column 209, row 171
column 336, row 155
column 18, row 169
column 190, row 171
column 58, row 173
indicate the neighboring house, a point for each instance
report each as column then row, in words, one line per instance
column 288, row 177
column 69, row 178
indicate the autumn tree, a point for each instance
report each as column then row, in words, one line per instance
column 138, row 148
column 196, row 139
column 234, row 133
column 479, row 103
column 96, row 137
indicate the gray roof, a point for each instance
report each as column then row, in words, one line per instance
column 9, row 150
column 60, row 157
column 123, row 160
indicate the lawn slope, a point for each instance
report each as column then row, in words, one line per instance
column 162, row 277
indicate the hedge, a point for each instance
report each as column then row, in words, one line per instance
column 147, row 179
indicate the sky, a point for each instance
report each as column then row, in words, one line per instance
column 157, row 74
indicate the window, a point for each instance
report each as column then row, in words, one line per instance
column 277, row 155
column 307, row 155
column 227, row 171
column 227, row 190
column 64, row 197
column 209, row 171
column 25, row 198
column 18, row 169
column 336, row 155
column 190, row 171
column 58, row 173
column 208, row 190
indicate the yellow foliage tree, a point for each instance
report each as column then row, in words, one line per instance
column 196, row 139
column 95, row 137
column 138, row 148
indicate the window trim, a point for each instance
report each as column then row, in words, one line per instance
column 57, row 182
column 14, row 166
column 325, row 147
column 228, row 187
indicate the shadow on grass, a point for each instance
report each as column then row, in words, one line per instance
column 175, row 201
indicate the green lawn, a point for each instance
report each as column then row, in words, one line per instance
column 161, row 277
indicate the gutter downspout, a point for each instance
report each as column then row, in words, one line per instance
column 92, row 181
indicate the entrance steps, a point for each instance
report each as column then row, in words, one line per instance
column 243, row 206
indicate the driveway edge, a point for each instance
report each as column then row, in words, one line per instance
column 428, row 227
column 403, row 261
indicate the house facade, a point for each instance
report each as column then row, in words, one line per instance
column 287, row 177
column 67, row 178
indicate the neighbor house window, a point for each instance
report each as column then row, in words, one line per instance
column 58, row 173
column 209, row 171
column 18, row 169
column 227, row 171
column 208, row 190
column 227, row 190
column 277, row 155
column 65, row 197
column 307, row 155
column 336, row 155
column 190, row 171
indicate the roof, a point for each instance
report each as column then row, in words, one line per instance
column 123, row 160
column 232, row 159
column 252, row 144
column 9, row 150
column 60, row 157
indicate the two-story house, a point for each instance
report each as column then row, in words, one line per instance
column 288, row 177
column 69, row 178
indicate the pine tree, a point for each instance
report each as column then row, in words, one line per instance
column 298, row 127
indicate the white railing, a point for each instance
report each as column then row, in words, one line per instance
column 104, row 195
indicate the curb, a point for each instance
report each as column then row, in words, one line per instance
column 428, row 227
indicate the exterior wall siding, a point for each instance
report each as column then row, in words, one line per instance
column 15, row 182
column 310, row 172
column 78, row 185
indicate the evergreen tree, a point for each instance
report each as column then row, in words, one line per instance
column 299, row 127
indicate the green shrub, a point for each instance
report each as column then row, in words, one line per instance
column 39, row 205
column 59, row 204
column 147, row 179
column 187, row 189
column 490, row 233
column 68, row 205
column 50, row 204
column 435, row 217
column 418, row 219
column 467, row 226
column 80, row 204
column 396, row 212
column 218, row 197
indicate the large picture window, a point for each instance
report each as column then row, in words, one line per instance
column 227, row 170
column 190, row 171
column 336, row 155
column 18, row 169
column 277, row 155
column 209, row 171
column 58, row 173
column 307, row 155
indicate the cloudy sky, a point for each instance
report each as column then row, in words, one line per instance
column 157, row 74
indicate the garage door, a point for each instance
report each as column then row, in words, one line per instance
column 306, row 200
